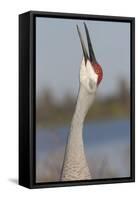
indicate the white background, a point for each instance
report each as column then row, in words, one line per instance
column 9, row 11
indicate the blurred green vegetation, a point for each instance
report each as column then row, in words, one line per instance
column 50, row 113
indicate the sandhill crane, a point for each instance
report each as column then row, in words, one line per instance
column 75, row 166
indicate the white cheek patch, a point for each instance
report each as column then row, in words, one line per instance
column 88, row 77
column 92, row 86
column 91, row 72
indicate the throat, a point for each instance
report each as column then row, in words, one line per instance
column 84, row 101
column 74, row 159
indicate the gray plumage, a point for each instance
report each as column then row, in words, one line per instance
column 75, row 166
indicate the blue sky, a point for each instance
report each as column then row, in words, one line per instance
column 59, row 54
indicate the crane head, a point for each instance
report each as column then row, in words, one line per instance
column 90, row 68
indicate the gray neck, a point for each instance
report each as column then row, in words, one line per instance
column 75, row 165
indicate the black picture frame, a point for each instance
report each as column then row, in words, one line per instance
column 27, row 110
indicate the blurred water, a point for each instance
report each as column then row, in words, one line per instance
column 107, row 145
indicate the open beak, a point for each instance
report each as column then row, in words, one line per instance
column 91, row 55
column 86, row 57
